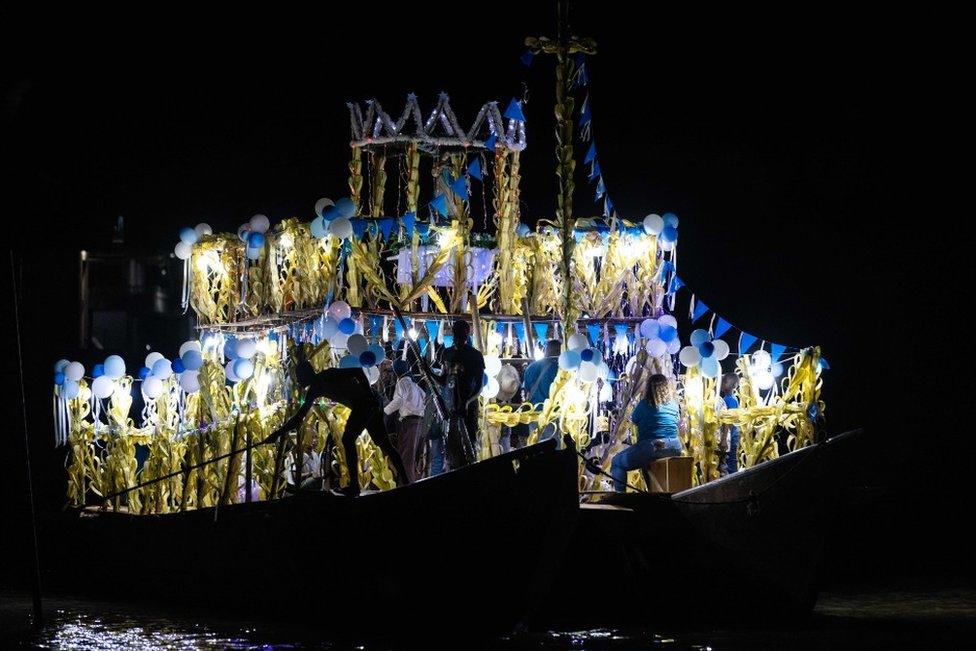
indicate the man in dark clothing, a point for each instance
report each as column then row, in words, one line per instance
column 467, row 365
column 349, row 387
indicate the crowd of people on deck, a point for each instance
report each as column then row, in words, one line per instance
column 401, row 403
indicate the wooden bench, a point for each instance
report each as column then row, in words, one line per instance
column 668, row 475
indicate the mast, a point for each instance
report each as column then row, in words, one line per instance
column 562, row 47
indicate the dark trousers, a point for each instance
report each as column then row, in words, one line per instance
column 408, row 445
column 367, row 415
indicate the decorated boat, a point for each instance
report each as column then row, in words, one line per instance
column 189, row 485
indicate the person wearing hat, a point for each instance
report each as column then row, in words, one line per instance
column 408, row 406
column 349, row 387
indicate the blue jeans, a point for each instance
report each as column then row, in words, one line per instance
column 732, row 461
column 436, row 456
column 640, row 455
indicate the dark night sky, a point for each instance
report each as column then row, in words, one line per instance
column 775, row 145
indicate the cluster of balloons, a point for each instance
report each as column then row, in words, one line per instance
column 338, row 325
column 586, row 361
column 490, row 386
column 252, row 233
column 189, row 237
column 158, row 369
column 705, row 353
column 664, row 227
column 333, row 218
column 66, row 376
column 763, row 371
column 661, row 335
column 240, row 358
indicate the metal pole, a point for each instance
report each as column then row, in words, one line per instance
column 36, row 573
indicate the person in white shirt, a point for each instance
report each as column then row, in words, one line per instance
column 311, row 468
column 408, row 403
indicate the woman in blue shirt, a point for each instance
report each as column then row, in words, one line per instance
column 656, row 417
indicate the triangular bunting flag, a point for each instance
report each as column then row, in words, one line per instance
column 601, row 189
column 447, row 178
column 676, row 282
column 746, row 340
column 439, row 204
column 608, row 207
column 595, row 170
column 375, row 325
column 490, row 143
column 527, row 57
column 824, row 365
column 514, row 111
column 432, row 329
column 460, row 188
column 540, row 333
column 700, row 309
column 590, row 154
column 386, row 227
column 397, row 331
column 474, row 169
column 408, row 221
column 519, row 331
column 776, row 351
column 423, row 229
column 358, row 227
column 721, row 327
column 593, row 330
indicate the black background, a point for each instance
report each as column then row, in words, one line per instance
column 791, row 146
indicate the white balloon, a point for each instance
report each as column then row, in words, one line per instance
column 656, row 348
column 491, row 389
column 74, row 371
column 341, row 228
column 690, row 356
column 114, row 367
column 322, row 204
column 152, row 358
column 668, row 319
column 721, row 349
column 69, row 390
column 183, row 251
column 764, row 381
column 372, row 374
column 761, row 358
column 190, row 381
column 203, row 229
column 356, row 345
column 588, row 371
column 243, row 368
column 340, row 310
column 666, row 246
column 229, row 371
column 649, row 328
column 189, row 345
column 606, row 393
column 578, row 342
column 152, row 387
column 710, row 367
column 243, row 230
column 259, row 224
column 653, row 224
column 329, row 328
column 246, row 348
column 339, row 340
column 603, row 371
column 493, row 365
column 102, row 386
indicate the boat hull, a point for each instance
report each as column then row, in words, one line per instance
column 433, row 554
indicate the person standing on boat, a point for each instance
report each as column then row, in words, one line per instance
column 729, row 436
column 311, row 466
column 656, row 418
column 467, row 365
column 349, row 387
column 407, row 405
column 539, row 376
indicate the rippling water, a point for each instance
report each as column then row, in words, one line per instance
column 906, row 619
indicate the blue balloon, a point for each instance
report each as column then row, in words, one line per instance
column 707, row 349
column 698, row 337
column 98, row 370
column 230, row 348
column 523, row 229
column 587, row 354
column 60, row 365
column 379, row 351
column 367, row 358
column 318, row 228
column 252, row 253
column 144, row 372
column 670, row 219
column 59, row 378
column 349, row 361
column 178, row 366
column 114, row 366
column 255, row 240
column 669, row 234
column 188, row 236
column 667, row 333
column 484, row 379
column 330, row 214
column 192, row 360
column 70, row 389
column 347, row 326
column 345, row 207
column 569, row 359
column 710, row 367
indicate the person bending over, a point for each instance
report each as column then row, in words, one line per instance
column 656, row 417
column 349, row 387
